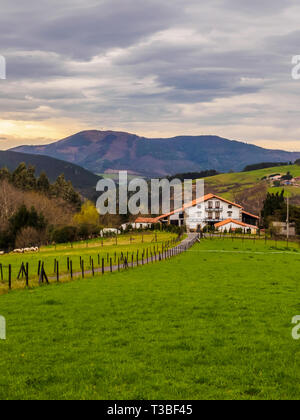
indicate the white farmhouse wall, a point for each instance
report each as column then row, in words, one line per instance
column 198, row 215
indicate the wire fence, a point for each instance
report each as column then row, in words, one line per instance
column 29, row 276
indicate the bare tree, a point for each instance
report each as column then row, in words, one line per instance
column 29, row 237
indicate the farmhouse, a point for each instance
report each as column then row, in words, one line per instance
column 230, row 225
column 208, row 210
column 282, row 229
column 142, row 223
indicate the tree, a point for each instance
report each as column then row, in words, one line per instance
column 25, row 218
column 28, row 237
column 65, row 234
column 5, row 175
column 62, row 188
column 43, row 183
column 287, row 177
column 88, row 215
column 272, row 204
column 24, row 178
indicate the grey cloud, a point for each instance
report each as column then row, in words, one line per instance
column 146, row 66
column 258, row 7
column 36, row 66
column 288, row 44
column 90, row 30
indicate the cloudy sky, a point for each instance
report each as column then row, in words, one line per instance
column 152, row 67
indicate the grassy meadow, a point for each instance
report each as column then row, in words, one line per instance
column 214, row 323
column 106, row 249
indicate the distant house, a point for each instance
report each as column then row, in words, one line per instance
column 276, row 177
column 142, row 223
column 109, row 231
column 281, row 228
column 208, row 210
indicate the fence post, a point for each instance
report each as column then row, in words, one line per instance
column 39, row 268
column 27, row 274
column 82, row 268
column 103, row 266
column 71, row 269
column 57, row 272
column 9, row 276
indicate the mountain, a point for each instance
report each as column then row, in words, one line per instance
column 82, row 180
column 110, row 151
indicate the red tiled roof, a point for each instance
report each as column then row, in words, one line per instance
column 237, row 222
column 251, row 215
column 198, row 201
column 146, row 220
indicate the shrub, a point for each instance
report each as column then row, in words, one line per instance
column 65, row 234
column 85, row 231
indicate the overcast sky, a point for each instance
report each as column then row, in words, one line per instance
column 151, row 67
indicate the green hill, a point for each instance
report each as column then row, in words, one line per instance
column 249, row 188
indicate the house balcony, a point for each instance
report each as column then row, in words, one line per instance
column 214, row 209
column 213, row 219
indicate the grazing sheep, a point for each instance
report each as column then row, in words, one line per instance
column 18, row 251
column 22, row 251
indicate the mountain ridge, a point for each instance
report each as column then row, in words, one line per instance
column 111, row 151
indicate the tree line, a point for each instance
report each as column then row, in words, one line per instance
column 32, row 208
column 25, row 179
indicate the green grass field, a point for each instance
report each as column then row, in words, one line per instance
column 125, row 243
column 214, row 323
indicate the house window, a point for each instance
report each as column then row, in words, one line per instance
column 218, row 215
column 218, row 204
column 210, row 215
column 210, row 204
column 230, row 213
column 230, row 206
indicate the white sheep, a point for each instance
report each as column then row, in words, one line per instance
column 18, row 251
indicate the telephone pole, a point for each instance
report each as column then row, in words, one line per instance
column 288, row 220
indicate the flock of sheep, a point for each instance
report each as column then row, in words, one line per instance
column 23, row 250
